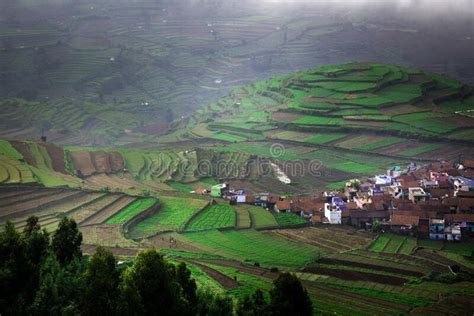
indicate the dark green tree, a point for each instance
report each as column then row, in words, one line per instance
column 211, row 304
column 60, row 288
column 37, row 241
column 67, row 239
column 188, row 285
column 289, row 297
column 150, row 287
column 37, row 245
column 101, row 280
column 14, row 270
column 254, row 305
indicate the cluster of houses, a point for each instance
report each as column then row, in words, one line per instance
column 435, row 201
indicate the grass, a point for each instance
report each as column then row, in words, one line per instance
column 181, row 187
column 289, row 219
column 354, row 167
column 131, row 211
column 212, row 217
column 172, row 215
column 324, row 138
column 253, row 246
column 319, row 120
column 260, row 217
column 420, row 150
column 392, row 243
column 387, row 141
column 228, row 137
column 7, row 149
column 379, row 244
column 337, row 185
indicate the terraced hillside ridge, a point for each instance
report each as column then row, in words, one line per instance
column 49, row 205
column 355, row 119
column 89, row 163
column 86, row 70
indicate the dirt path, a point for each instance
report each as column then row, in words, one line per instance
column 118, row 251
column 226, row 282
column 357, row 275
column 356, row 297
column 109, row 211
column 253, row 270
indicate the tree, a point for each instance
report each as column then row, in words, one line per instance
column 188, row 285
column 37, row 245
column 60, row 288
column 254, row 305
column 210, row 304
column 150, row 287
column 67, row 239
column 289, row 297
column 101, row 280
column 14, row 270
column 37, row 240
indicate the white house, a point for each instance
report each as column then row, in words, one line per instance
column 332, row 213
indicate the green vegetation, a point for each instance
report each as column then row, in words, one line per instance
column 387, row 141
column 260, row 217
column 7, row 149
column 420, row 150
column 213, row 217
column 265, row 249
column 289, row 219
column 173, row 214
column 131, row 211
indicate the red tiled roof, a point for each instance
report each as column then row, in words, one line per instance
column 437, row 193
column 469, row 164
column 465, row 194
column 308, row 205
column 420, row 214
column 283, row 205
column 459, row 218
column 404, row 220
column 465, row 204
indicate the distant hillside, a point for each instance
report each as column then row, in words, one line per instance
column 339, row 122
column 119, row 169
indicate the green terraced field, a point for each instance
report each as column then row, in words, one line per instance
column 289, row 219
column 7, row 150
column 254, row 246
column 213, row 217
column 131, row 211
column 392, row 243
column 420, row 150
column 260, row 217
column 172, row 215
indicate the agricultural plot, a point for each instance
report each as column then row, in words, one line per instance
column 329, row 241
column 173, row 215
column 266, row 249
column 131, row 211
column 109, row 211
column 213, row 217
column 259, row 217
column 243, row 217
column 391, row 243
column 289, row 219
column 420, row 150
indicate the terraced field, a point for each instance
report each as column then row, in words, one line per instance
column 266, row 249
column 173, row 214
column 213, row 217
column 50, row 205
column 357, row 118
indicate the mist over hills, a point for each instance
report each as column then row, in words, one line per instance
column 158, row 61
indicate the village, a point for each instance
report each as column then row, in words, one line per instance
column 434, row 201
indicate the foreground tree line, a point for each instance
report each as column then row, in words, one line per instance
column 48, row 275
